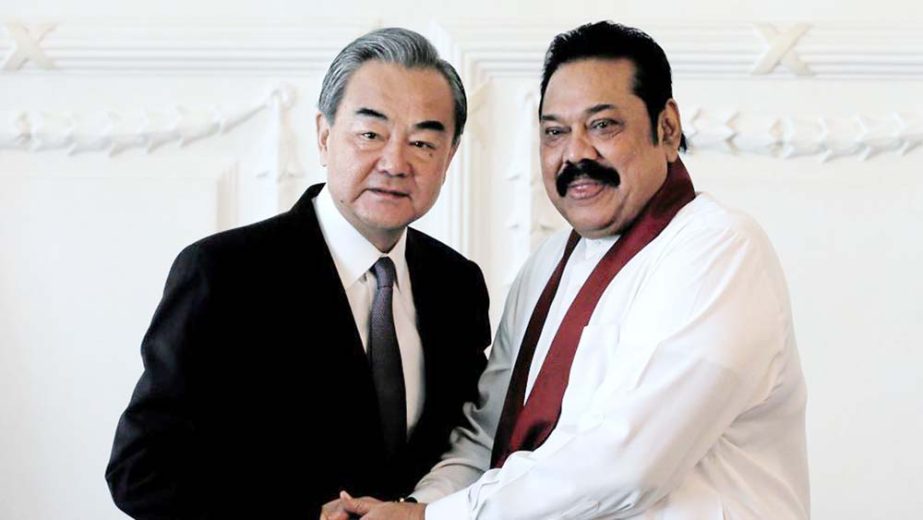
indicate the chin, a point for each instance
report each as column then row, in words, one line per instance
column 596, row 229
column 390, row 225
column 388, row 217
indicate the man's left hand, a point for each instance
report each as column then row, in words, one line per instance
column 372, row 509
column 337, row 509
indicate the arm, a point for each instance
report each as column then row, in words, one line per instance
column 465, row 330
column 153, row 464
column 694, row 352
column 479, row 323
column 469, row 455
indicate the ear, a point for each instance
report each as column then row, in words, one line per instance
column 323, row 133
column 670, row 130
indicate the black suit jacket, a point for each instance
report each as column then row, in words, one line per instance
column 257, row 400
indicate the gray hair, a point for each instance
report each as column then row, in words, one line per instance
column 390, row 45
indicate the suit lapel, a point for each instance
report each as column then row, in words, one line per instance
column 327, row 295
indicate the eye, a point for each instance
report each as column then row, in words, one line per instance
column 423, row 145
column 553, row 131
column 370, row 136
column 604, row 124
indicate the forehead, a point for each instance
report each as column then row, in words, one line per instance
column 579, row 84
column 399, row 92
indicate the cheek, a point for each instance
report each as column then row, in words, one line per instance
column 356, row 164
column 551, row 164
column 425, row 194
column 432, row 182
column 340, row 186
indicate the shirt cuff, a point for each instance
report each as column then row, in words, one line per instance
column 427, row 495
column 452, row 507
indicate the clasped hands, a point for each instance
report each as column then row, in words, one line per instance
column 367, row 508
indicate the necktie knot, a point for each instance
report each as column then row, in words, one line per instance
column 384, row 272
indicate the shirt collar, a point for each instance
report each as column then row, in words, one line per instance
column 352, row 253
column 595, row 248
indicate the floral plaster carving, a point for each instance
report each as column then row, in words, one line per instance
column 115, row 133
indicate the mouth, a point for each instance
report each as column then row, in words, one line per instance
column 388, row 194
column 583, row 188
column 585, row 179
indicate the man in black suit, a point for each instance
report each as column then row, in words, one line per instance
column 329, row 347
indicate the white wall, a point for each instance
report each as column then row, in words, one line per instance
column 97, row 194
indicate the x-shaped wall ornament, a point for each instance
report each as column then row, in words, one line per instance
column 781, row 49
column 25, row 46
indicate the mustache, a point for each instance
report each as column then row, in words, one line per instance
column 586, row 168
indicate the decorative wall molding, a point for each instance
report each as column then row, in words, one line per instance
column 483, row 51
column 860, row 136
column 188, row 47
column 781, row 49
column 115, row 133
column 26, row 45
column 490, row 48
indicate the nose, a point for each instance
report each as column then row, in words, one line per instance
column 579, row 147
column 393, row 160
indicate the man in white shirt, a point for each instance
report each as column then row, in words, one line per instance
column 645, row 366
column 329, row 347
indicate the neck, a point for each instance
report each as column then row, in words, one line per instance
column 384, row 240
column 384, row 244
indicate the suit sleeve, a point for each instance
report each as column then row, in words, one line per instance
column 478, row 338
column 481, row 320
column 153, row 467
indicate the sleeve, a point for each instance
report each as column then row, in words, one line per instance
column 479, row 339
column 481, row 318
column 471, row 443
column 153, row 467
column 694, row 352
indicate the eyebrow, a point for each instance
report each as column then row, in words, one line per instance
column 371, row 113
column 434, row 125
column 588, row 112
column 430, row 125
column 595, row 109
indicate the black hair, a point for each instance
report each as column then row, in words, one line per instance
column 608, row 40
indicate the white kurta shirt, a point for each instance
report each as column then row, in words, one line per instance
column 354, row 256
column 685, row 401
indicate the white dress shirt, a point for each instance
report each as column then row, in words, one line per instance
column 354, row 256
column 685, row 401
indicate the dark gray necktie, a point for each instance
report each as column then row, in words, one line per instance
column 385, row 360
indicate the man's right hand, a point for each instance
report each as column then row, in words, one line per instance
column 336, row 509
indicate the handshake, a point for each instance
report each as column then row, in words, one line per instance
column 347, row 508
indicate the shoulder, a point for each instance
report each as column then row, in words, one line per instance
column 706, row 223
column 250, row 248
column 435, row 252
column 248, row 237
column 266, row 238
column 720, row 248
column 706, row 212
